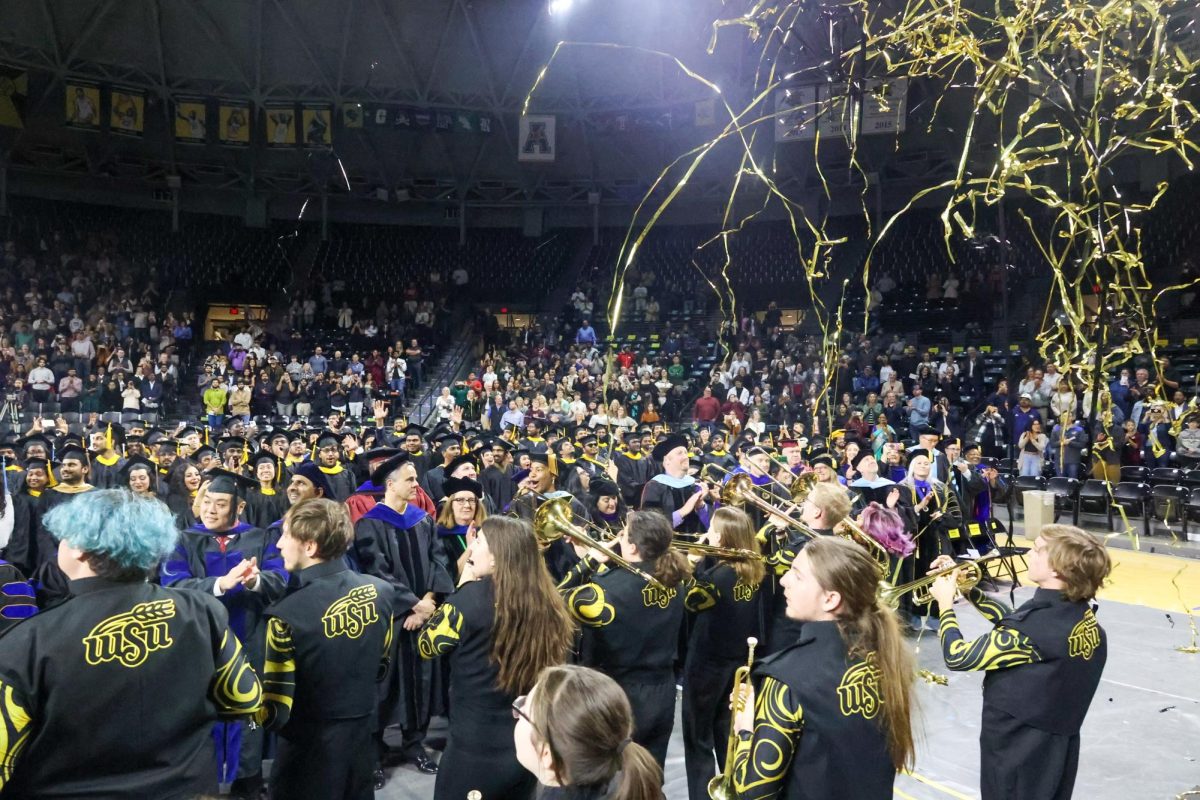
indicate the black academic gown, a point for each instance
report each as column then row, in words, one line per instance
column 106, row 475
column 633, row 471
column 200, row 558
column 341, row 481
column 497, row 486
column 667, row 495
column 262, row 509
column 47, row 578
column 403, row 549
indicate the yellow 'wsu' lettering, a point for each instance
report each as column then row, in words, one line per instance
column 130, row 638
column 1084, row 637
column 653, row 596
column 350, row 615
column 858, row 693
column 743, row 592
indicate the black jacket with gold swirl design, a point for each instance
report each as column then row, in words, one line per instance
column 1054, row 692
column 818, row 731
column 327, row 645
column 114, row 692
column 631, row 629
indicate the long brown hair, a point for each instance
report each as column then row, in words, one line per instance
column 869, row 626
column 585, row 718
column 651, row 533
column 735, row 529
column 532, row 628
column 445, row 516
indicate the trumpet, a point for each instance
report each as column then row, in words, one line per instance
column 854, row 532
column 552, row 522
column 969, row 575
column 721, row 786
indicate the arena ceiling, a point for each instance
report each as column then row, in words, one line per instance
column 471, row 55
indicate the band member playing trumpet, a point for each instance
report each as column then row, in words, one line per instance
column 827, row 504
column 727, row 604
column 485, row 630
column 1043, row 663
column 833, row 712
column 632, row 627
column 537, row 487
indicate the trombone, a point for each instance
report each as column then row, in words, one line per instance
column 552, row 521
column 730, row 553
column 969, row 575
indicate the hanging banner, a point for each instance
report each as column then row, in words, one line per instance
column 83, row 105
column 352, row 115
column 885, row 106
column 796, row 114
column 281, row 124
column 836, row 113
column 127, row 109
column 14, row 88
column 234, row 124
column 537, row 139
column 191, row 121
column 317, row 131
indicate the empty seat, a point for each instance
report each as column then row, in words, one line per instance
column 1066, row 497
column 1134, row 498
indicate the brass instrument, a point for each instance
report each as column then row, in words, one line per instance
column 731, row 553
column 552, row 522
column 721, row 786
column 740, row 491
column 970, row 574
column 854, row 532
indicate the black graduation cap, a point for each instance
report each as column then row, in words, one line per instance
column 153, row 436
column 222, row 481
column 328, row 438
column 138, row 423
column 261, row 456
column 503, row 444
column 589, row 439
column 139, row 462
column 202, row 451
column 926, row 430
column 414, row 429
column 278, row 433
column 232, row 443
column 545, row 458
column 458, row 462
column 188, row 431
column 73, row 450
column 822, row 456
column 631, row 436
column 913, row 452
column 381, row 473
column 295, row 436
column 602, row 487
column 667, row 444
column 447, row 440
column 36, row 463
column 35, row 438
column 452, row 486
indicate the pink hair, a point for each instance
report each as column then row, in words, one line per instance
column 887, row 528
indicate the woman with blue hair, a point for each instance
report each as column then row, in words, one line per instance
column 83, row 684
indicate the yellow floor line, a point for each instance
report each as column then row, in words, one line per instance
column 1145, row 579
column 903, row 795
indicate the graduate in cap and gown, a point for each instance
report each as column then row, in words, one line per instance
column 329, row 459
column 74, row 467
column 397, row 542
column 107, row 462
column 240, row 565
column 267, row 502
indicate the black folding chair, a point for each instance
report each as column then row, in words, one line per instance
column 1134, row 498
column 1168, row 503
column 1095, row 498
column 1066, row 497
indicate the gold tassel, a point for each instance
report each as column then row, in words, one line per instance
column 108, row 438
column 50, row 481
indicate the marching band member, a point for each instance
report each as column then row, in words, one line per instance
column 631, row 627
column 503, row 626
column 328, row 643
column 535, row 489
column 827, row 505
column 60, row 738
column 727, row 603
column 1043, row 663
column 574, row 733
column 833, row 711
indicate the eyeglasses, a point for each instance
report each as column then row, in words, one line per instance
column 518, row 709
column 464, row 501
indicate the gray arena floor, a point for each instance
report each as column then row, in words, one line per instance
column 1141, row 740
